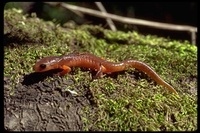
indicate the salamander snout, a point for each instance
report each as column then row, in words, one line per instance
column 45, row 64
column 39, row 68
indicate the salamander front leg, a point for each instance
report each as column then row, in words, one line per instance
column 66, row 70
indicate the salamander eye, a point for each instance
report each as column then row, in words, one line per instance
column 43, row 66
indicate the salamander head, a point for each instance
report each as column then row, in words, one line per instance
column 46, row 63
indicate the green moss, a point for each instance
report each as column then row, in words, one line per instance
column 125, row 102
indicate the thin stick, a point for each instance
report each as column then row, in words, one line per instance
column 135, row 21
column 109, row 21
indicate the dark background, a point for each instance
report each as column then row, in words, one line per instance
column 183, row 13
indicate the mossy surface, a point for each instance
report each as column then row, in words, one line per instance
column 125, row 101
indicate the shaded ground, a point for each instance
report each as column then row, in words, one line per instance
column 44, row 107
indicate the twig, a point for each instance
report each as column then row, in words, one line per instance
column 135, row 21
column 109, row 21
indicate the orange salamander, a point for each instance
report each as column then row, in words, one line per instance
column 98, row 64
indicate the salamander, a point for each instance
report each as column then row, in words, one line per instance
column 100, row 65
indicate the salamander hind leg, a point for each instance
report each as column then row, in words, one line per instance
column 99, row 73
